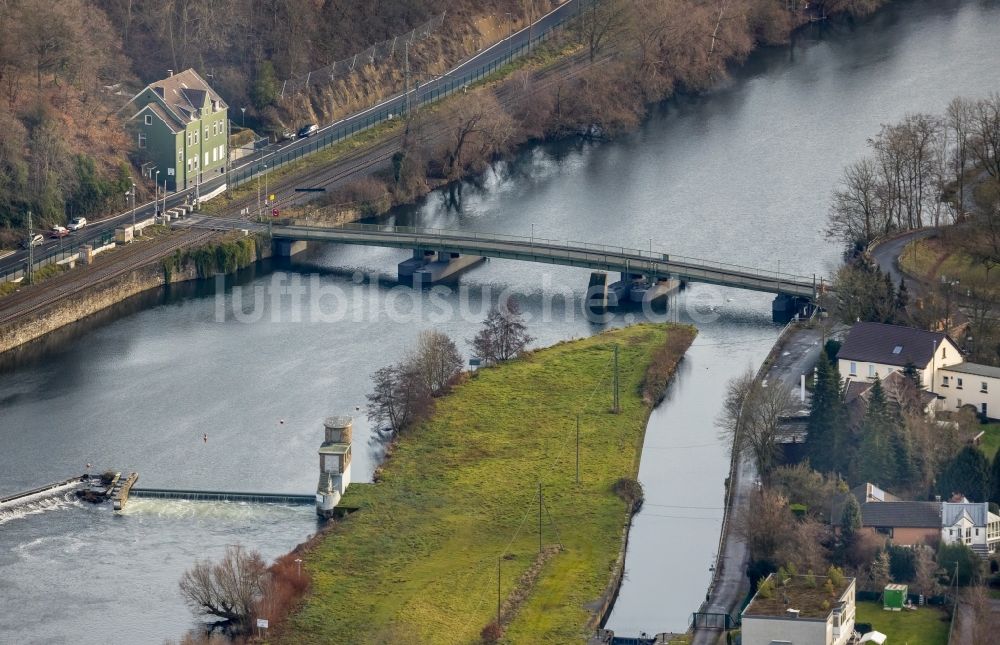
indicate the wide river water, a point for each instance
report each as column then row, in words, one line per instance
column 742, row 174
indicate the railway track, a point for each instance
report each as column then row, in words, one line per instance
column 31, row 300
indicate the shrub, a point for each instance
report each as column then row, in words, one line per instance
column 630, row 490
column 492, row 633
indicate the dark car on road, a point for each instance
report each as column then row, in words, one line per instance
column 307, row 130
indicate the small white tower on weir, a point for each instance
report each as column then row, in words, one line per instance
column 334, row 464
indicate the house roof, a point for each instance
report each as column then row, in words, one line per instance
column 974, row 368
column 978, row 513
column 184, row 94
column 802, row 593
column 901, row 514
column 891, row 344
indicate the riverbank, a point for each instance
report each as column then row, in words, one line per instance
column 72, row 296
column 420, row 559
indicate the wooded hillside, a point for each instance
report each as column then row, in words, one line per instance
column 67, row 68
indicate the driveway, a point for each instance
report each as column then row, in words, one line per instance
column 886, row 255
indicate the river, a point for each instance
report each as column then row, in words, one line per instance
column 742, row 174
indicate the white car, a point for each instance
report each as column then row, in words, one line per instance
column 77, row 223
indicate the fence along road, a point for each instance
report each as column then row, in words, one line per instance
column 474, row 69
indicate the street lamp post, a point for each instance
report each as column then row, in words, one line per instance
column 156, row 193
column 243, row 121
column 133, row 210
column 298, row 563
column 510, row 36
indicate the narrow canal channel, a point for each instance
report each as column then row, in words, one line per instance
column 741, row 175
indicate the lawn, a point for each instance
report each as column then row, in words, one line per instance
column 991, row 439
column 925, row 626
column 418, row 562
column 932, row 258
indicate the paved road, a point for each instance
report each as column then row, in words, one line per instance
column 798, row 356
column 886, row 255
column 494, row 54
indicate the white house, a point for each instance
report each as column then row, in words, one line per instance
column 877, row 349
column 971, row 524
column 800, row 612
column 969, row 384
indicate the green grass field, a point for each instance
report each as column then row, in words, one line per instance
column 925, row 626
column 991, row 439
column 418, row 562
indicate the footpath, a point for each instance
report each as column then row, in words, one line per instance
column 794, row 353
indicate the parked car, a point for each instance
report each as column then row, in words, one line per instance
column 307, row 130
column 77, row 223
column 59, row 231
column 36, row 240
column 287, row 135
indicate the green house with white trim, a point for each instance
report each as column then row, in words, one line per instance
column 180, row 127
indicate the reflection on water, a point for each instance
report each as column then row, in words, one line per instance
column 742, row 175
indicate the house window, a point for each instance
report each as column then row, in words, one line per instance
column 206, row 158
column 195, row 137
column 215, row 128
column 944, row 352
column 215, row 154
column 206, row 131
column 871, row 371
column 959, row 404
column 983, row 388
column 854, row 369
column 189, row 138
column 142, row 139
column 968, row 532
column 180, row 155
column 149, row 119
column 898, row 349
column 958, row 383
column 944, row 381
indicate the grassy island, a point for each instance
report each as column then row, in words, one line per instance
column 418, row 563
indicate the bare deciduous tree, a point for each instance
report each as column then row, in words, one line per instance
column 751, row 419
column 437, row 360
column 504, row 335
column 400, row 398
column 227, row 589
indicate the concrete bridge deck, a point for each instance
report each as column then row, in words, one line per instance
column 602, row 257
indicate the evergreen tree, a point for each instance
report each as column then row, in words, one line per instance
column 910, row 372
column 967, row 473
column 902, row 297
column 995, row 480
column 876, row 462
column 827, row 420
column 850, row 518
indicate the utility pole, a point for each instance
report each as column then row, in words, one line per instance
column 499, row 559
column 578, row 448
column 617, row 402
column 259, row 212
column 510, row 36
column 31, row 249
column 539, row 518
column 133, row 210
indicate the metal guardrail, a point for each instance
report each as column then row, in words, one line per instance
column 571, row 248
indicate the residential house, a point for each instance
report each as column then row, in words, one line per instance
column 970, row 384
column 180, row 126
column 910, row 523
column 900, row 391
column 800, row 612
column 972, row 524
column 877, row 349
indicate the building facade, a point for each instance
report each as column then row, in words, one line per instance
column 970, row 384
column 877, row 349
column 796, row 613
column 181, row 125
column 971, row 524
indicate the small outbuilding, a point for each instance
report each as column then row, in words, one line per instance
column 894, row 597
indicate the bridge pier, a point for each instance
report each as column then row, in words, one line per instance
column 785, row 308
column 631, row 288
column 430, row 267
column 288, row 248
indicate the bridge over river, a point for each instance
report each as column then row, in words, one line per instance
column 651, row 262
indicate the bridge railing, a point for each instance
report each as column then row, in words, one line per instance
column 653, row 254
